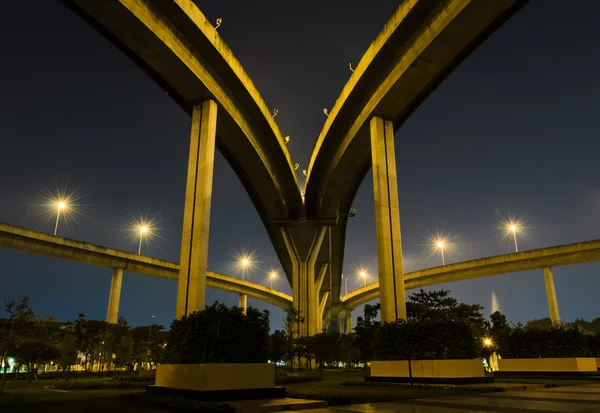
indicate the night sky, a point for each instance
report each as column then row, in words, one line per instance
column 512, row 132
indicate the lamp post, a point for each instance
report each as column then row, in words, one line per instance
column 245, row 265
column 272, row 276
column 440, row 246
column 363, row 274
column 60, row 205
column 152, row 317
column 143, row 230
column 513, row 228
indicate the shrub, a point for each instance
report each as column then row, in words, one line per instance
column 569, row 341
column 425, row 340
column 219, row 335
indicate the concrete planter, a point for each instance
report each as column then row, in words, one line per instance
column 428, row 371
column 216, row 377
column 549, row 365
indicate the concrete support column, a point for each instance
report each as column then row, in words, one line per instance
column 303, row 245
column 114, row 296
column 348, row 321
column 196, row 218
column 387, row 221
column 243, row 303
column 551, row 293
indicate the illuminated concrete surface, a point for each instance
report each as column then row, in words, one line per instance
column 114, row 296
column 174, row 43
column 569, row 254
column 40, row 243
column 387, row 222
column 191, row 286
column 551, row 294
column 420, row 45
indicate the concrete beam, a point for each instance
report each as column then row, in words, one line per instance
column 569, row 254
column 243, row 303
column 40, row 243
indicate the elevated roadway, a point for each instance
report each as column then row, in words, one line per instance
column 174, row 43
column 418, row 48
column 39, row 243
column 569, row 254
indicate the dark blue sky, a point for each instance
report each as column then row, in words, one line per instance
column 512, row 131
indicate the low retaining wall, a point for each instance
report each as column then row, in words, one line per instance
column 428, row 368
column 216, row 377
column 548, row 365
column 429, row 371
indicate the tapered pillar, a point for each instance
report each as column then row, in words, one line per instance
column 387, row 221
column 196, row 218
column 551, row 293
column 303, row 245
column 114, row 296
column 348, row 321
column 243, row 303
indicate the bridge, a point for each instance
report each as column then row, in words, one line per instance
column 39, row 243
column 543, row 258
column 420, row 45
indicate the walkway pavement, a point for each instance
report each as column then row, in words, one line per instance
column 584, row 398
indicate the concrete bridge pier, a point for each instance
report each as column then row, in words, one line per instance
column 387, row 221
column 191, row 286
column 551, row 294
column 303, row 245
column 114, row 296
column 349, row 321
column 243, row 302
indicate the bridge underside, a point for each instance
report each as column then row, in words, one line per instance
column 420, row 46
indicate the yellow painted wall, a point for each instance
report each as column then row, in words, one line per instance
column 549, row 364
column 224, row 376
column 428, row 368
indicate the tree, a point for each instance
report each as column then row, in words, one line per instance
column 19, row 315
column 68, row 353
column 365, row 331
column 219, row 334
column 34, row 352
column 439, row 305
column 348, row 349
column 293, row 320
column 325, row 347
column 277, row 345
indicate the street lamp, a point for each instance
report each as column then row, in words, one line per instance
column 245, row 262
column 514, row 228
column 143, row 230
column 363, row 274
column 440, row 245
column 152, row 317
column 60, row 205
column 272, row 276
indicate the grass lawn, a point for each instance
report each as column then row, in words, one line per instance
column 331, row 387
column 40, row 396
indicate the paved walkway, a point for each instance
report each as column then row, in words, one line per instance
column 585, row 398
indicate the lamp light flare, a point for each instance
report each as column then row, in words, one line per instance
column 363, row 274
column 272, row 276
column 487, row 342
column 60, row 205
column 440, row 245
column 513, row 228
column 143, row 230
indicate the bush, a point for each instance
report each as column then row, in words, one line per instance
column 567, row 341
column 425, row 340
column 178, row 404
column 134, row 379
column 219, row 335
